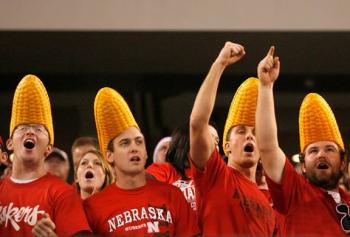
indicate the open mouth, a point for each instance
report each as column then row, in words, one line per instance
column 322, row 166
column 89, row 175
column 249, row 147
column 135, row 158
column 29, row 143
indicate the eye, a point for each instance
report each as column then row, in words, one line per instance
column 313, row 150
column 83, row 163
column 99, row 163
column 139, row 141
column 330, row 149
column 124, row 143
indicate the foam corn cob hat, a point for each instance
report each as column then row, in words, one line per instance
column 243, row 106
column 317, row 122
column 31, row 105
column 112, row 116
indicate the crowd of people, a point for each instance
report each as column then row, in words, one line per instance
column 191, row 189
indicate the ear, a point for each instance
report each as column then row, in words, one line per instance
column 9, row 144
column 343, row 165
column 48, row 150
column 227, row 147
column 3, row 157
column 109, row 157
column 302, row 167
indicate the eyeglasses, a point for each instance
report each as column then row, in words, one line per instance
column 343, row 209
column 37, row 128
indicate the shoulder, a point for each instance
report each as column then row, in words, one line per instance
column 100, row 197
column 158, row 186
column 56, row 187
column 160, row 166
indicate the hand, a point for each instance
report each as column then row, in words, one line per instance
column 230, row 54
column 269, row 68
column 45, row 227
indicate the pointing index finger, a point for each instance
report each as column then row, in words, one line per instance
column 271, row 51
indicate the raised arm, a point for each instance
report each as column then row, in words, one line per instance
column 201, row 143
column 272, row 157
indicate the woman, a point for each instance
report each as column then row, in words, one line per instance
column 93, row 174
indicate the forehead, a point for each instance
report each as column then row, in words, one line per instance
column 213, row 131
column 90, row 156
column 321, row 144
column 130, row 133
column 240, row 126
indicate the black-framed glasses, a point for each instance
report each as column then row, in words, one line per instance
column 343, row 209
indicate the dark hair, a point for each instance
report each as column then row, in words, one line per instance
column 82, row 141
column 179, row 148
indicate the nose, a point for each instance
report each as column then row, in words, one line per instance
column 90, row 165
column 30, row 130
column 250, row 135
column 133, row 147
column 321, row 153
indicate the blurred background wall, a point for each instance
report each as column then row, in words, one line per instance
column 156, row 54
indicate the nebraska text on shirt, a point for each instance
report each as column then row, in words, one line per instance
column 143, row 213
column 14, row 215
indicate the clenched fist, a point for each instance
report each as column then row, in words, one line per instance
column 230, row 54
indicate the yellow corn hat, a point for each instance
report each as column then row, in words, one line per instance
column 243, row 106
column 31, row 105
column 317, row 122
column 112, row 116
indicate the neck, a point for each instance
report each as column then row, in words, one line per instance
column 27, row 170
column 249, row 173
column 85, row 193
column 127, row 181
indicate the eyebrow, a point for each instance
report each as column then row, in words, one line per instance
column 128, row 139
column 331, row 146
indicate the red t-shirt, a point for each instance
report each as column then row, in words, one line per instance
column 230, row 204
column 309, row 210
column 280, row 227
column 22, row 206
column 165, row 172
column 154, row 209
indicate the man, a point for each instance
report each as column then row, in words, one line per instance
column 80, row 146
column 230, row 202
column 57, row 163
column 31, row 196
column 133, row 205
column 313, row 204
column 4, row 163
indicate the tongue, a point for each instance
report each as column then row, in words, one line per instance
column 29, row 145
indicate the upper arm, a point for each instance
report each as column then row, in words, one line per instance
column 273, row 161
column 201, row 144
